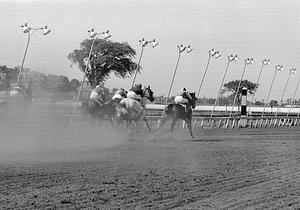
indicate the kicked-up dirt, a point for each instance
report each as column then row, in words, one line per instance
column 92, row 168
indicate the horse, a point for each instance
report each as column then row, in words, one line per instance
column 131, row 110
column 177, row 111
column 99, row 110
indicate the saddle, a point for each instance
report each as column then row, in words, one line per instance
column 186, row 107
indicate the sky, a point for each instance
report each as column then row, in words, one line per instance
column 256, row 29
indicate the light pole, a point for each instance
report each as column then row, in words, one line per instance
column 277, row 68
column 144, row 43
column 231, row 58
column 92, row 35
column 292, row 71
column 291, row 104
column 181, row 49
column 263, row 63
column 29, row 31
column 248, row 61
column 211, row 53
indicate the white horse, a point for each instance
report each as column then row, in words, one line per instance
column 131, row 110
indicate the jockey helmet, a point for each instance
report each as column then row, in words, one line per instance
column 181, row 92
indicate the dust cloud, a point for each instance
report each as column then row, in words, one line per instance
column 41, row 132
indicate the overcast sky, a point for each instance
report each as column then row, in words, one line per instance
column 249, row 28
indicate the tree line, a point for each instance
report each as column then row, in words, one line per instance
column 36, row 80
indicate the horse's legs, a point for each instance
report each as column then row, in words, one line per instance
column 173, row 123
column 111, row 122
column 118, row 121
column 163, row 121
column 128, row 123
column 133, row 123
column 189, row 125
column 148, row 126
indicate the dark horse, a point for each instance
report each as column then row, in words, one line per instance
column 177, row 111
column 126, row 110
column 99, row 111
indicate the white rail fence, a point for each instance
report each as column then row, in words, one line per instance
column 202, row 119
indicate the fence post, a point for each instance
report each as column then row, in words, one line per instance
column 243, row 120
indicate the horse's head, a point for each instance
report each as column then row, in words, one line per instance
column 148, row 93
column 193, row 100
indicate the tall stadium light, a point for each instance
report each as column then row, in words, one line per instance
column 277, row 68
column 292, row 71
column 181, row 48
column 92, row 35
column 231, row 58
column 264, row 62
column 211, row 53
column 295, row 92
column 248, row 61
column 143, row 43
column 29, row 31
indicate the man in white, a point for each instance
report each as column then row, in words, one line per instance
column 96, row 97
column 183, row 98
column 132, row 101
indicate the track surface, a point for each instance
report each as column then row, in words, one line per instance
column 47, row 165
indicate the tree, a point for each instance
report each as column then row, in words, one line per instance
column 54, row 83
column 62, row 84
column 7, row 76
column 232, row 86
column 106, row 57
column 273, row 103
column 74, row 84
column 258, row 103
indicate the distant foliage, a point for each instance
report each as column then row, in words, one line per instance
column 74, row 85
column 7, row 75
column 231, row 87
column 107, row 57
column 54, row 83
column 273, row 103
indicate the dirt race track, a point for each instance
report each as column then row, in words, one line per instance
column 44, row 164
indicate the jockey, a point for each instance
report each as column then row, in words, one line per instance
column 135, row 93
column 96, row 96
column 131, row 94
column 138, row 89
column 183, row 98
column 119, row 95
